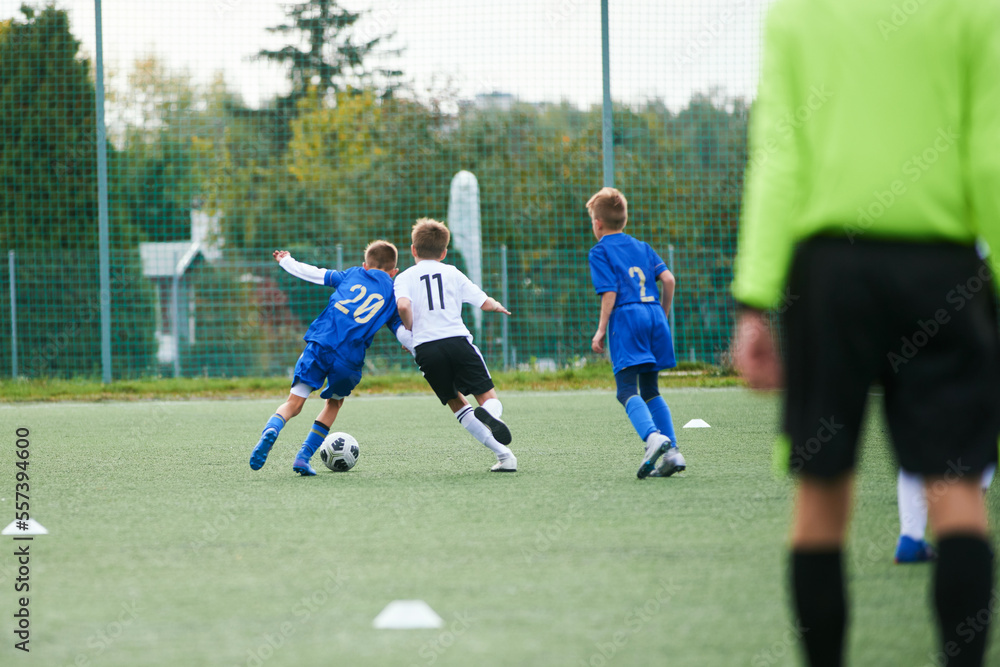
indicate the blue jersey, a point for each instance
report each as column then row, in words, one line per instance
column 628, row 267
column 362, row 303
column 638, row 332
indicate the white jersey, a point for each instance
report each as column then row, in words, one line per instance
column 437, row 292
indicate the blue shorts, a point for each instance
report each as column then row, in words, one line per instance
column 317, row 364
column 639, row 334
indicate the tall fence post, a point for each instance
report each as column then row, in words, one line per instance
column 175, row 315
column 102, row 205
column 504, row 324
column 13, row 313
column 607, row 124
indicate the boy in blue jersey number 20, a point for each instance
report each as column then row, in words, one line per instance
column 633, row 324
column 336, row 343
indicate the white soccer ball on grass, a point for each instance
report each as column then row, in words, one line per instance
column 339, row 451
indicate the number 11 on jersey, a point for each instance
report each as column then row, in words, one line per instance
column 430, row 295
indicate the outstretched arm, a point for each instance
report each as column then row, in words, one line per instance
column 607, row 305
column 305, row 272
column 491, row 305
column 473, row 294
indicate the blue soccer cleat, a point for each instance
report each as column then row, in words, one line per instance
column 656, row 445
column 302, row 467
column 259, row 455
column 909, row 550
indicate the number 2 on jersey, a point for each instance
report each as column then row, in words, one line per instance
column 366, row 310
column 430, row 295
column 636, row 272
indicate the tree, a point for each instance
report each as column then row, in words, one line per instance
column 330, row 144
column 48, row 171
column 704, row 151
column 274, row 176
column 172, row 129
column 49, row 208
column 332, row 60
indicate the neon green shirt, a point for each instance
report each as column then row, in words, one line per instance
column 874, row 119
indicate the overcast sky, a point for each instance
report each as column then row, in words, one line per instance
column 538, row 50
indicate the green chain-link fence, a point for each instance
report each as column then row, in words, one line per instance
column 236, row 127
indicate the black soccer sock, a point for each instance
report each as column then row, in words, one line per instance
column 820, row 604
column 963, row 581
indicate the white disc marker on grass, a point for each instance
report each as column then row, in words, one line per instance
column 697, row 423
column 29, row 527
column 407, row 615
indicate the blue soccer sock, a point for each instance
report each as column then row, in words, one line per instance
column 661, row 417
column 277, row 422
column 638, row 414
column 317, row 434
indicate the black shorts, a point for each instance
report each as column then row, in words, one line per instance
column 453, row 366
column 919, row 319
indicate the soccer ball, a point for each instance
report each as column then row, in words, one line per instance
column 339, row 451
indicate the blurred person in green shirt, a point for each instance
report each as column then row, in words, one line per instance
column 874, row 169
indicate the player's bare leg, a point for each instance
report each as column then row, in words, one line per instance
column 291, row 407
column 285, row 411
column 912, row 547
column 317, row 434
column 330, row 410
column 467, row 417
column 822, row 512
column 489, row 411
column 457, row 403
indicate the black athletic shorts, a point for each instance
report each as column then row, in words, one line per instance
column 453, row 366
column 919, row 319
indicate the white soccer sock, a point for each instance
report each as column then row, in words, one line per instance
column 988, row 474
column 494, row 407
column 912, row 505
column 480, row 431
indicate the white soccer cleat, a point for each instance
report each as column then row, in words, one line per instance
column 672, row 461
column 656, row 444
column 508, row 464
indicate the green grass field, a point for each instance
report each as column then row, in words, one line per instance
column 166, row 549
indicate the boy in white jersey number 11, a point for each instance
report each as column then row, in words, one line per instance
column 429, row 296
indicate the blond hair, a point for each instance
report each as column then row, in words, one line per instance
column 610, row 207
column 381, row 254
column 430, row 238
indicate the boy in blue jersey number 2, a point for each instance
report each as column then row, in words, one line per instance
column 633, row 324
column 336, row 343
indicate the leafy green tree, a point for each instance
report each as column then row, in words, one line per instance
column 334, row 55
column 703, row 152
column 274, row 178
column 49, row 208
column 172, row 128
column 48, row 170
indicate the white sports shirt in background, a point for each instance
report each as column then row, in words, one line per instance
column 437, row 292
